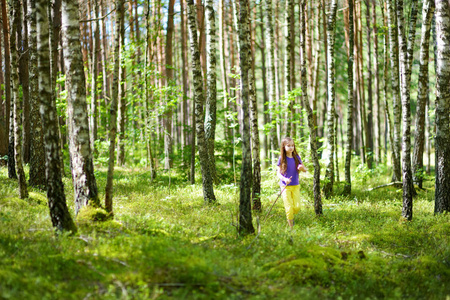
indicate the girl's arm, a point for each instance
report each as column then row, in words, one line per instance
column 281, row 177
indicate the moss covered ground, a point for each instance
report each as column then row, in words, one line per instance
column 164, row 242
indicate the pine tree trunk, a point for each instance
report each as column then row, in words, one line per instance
column 18, row 105
column 211, row 97
column 207, row 180
column 405, row 74
column 348, row 149
column 184, row 74
column 84, row 183
column 288, row 64
column 59, row 213
column 311, row 123
column 113, row 108
column 245, row 212
column 393, row 41
column 331, row 26
column 442, row 195
column 37, row 154
column 422, row 94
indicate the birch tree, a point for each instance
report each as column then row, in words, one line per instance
column 59, row 212
column 311, row 122
column 422, row 93
column 113, row 108
column 331, row 27
column 442, row 195
column 15, row 12
column 207, row 180
column 245, row 212
column 405, row 75
column 211, row 97
column 393, row 42
column 84, row 183
column 348, row 149
column 37, row 155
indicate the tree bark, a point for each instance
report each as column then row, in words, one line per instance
column 22, row 39
column 442, row 196
column 288, row 65
column 15, row 12
column 331, row 27
column 211, row 97
column 245, row 212
column 370, row 127
column 393, row 41
column 422, row 93
column 59, row 212
column 94, row 75
column 311, row 123
column 84, row 182
column 376, row 78
column 37, row 153
column 348, row 149
column 113, row 108
column 122, row 100
column 207, row 180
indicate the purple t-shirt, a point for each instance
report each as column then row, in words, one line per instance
column 291, row 170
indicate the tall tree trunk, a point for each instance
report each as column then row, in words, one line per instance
column 370, row 127
column 94, row 75
column 22, row 40
column 207, row 180
column 3, row 130
column 405, row 75
column 113, row 108
column 393, row 41
column 422, row 93
column 167, row 121
column 122, row 100
column 348, row 149
column 184, row 74
column 266, row 146
column 211, row 97
column 84, row 183
column 245, row 212
column 270, row 41
column 288, row 64
column 377, row 127
column 37, row 153
column 442, row 196
column 311, row 123
column 59, row 212
column 8, row 110
column 15, row 12
column 331, row 26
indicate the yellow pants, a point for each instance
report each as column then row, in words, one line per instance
column 291, row 199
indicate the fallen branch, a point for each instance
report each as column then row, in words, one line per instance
column 397, row 184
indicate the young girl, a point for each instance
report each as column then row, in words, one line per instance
column 289, row 164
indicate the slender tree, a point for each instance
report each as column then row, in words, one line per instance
column 370, row 128
column 207, row 180
column 15, row 12
column 211, row 97
column 121, row 98
column 59, row 212
column 113, row 108
column 348, row 149
column 84, row 183
column 376, row 82
column 311, row 122
column 245, row 212
column 422, row 93
column 442, row 196
column 331, row 27
column 393, row 42
column 288, row 63
column 94, row 74
column 24, row 54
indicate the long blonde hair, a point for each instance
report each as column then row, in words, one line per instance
column 283, row 161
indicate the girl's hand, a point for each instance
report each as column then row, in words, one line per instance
column 287, row 180
column 301, row 167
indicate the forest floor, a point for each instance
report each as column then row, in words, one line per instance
column 165, row 242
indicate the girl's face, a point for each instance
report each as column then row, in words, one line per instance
column 289, row 147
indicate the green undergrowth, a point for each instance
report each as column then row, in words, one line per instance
column 165, row 242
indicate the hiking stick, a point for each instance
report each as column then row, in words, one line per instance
column 264, row 221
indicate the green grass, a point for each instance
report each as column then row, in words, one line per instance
column 166, row 243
